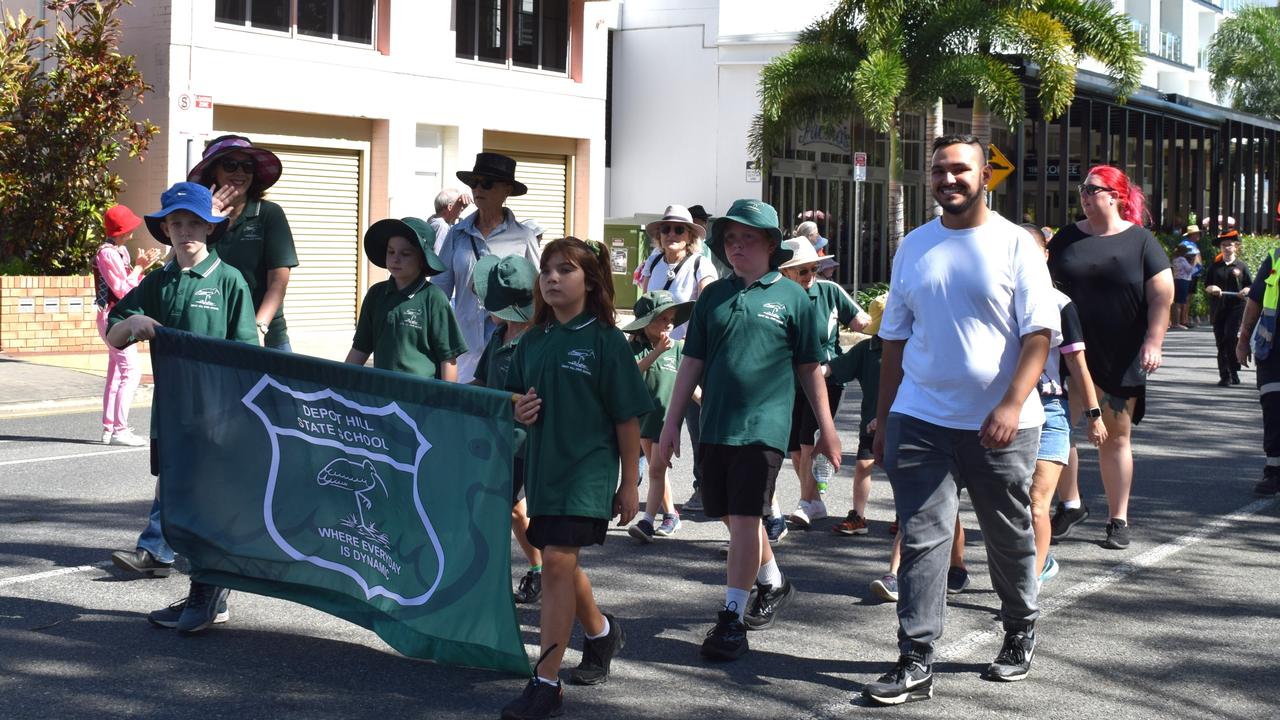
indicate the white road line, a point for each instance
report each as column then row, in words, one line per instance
column 68, row 457
column 46, row 574
column 961, row 648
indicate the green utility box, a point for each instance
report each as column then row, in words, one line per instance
column 628, row 246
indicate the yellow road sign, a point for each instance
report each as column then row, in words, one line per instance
column 1001, row 168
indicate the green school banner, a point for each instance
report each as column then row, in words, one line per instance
column 377, row 497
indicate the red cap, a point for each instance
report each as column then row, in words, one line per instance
column 120, row 220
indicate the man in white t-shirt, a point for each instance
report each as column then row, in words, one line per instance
column 968, row 325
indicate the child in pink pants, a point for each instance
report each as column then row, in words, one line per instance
column 114, row 277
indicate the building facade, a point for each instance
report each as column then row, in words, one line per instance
column 1189, row 154
column 373, row 105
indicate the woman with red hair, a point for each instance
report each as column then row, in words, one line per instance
column 1118, row 276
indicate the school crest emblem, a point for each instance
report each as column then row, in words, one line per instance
column 342, row 491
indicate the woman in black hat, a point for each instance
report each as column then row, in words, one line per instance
column 492, row 230
column 259, row 242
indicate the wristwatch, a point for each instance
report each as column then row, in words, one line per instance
column 1093, row 413
column 262, row 327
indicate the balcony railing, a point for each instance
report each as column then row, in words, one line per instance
column 1170, row 46
column 1143, row 32
column 1202, row 58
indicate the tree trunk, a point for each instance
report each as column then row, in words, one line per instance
column 896, row 222
column 934, row 120
column 981, row 120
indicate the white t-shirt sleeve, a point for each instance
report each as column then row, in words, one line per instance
column 705, row 269
column 1035, row 306
column 897, row 319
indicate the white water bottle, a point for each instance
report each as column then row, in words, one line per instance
column 823, row 470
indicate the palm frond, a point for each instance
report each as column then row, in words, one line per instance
column 1099, row 32
column 881, row 78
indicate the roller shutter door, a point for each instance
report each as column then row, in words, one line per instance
column 320, row 194
column 547, row 201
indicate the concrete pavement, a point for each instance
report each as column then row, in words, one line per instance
column 1181, row 625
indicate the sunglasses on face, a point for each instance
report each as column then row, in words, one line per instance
column 229, row 165
column 1089, row 189
column 672, row 230
column 483, row 183
column 805, row 271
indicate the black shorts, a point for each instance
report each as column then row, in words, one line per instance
column 155, row 458
column 517, row 481
column 566, row 531
column 738, row 479
column 804, row 423
column 865, row 441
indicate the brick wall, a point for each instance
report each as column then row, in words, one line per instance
column 48, row 315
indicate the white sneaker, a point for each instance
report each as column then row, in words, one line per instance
column 127, row 438
column 106, row 437
column 800, row 516
column 817, row 510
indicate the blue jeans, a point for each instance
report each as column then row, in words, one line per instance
column 152, row 538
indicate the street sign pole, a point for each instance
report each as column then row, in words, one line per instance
column 859, row 177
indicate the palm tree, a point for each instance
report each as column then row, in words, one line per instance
column 1244, row 61
column 877, row 58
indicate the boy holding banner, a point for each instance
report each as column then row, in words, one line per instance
column 198, row 293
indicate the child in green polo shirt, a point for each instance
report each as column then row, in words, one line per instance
column 582, row 400
column 405, row 321
column 752, row 335
column 505, row 288
column 658, row 356
column 862, row 363
column 198, row 293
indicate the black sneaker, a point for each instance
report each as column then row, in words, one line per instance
column 694, row 503
column 597, row 654
column 957, row 580
column 1223, row 382
column 142, row 562
column 765, row 604
column 1269, row 486
column 910, row 680
column 168, row 617
column 1064, row 519
column 1235, row 378
column 642, row 531
column 1014, row 661
column 201, row 609
column 775, row 528
column 1117, row 535
column 727, row 640
column 530, row 589
column 539, row 700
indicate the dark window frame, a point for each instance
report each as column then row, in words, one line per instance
column 293, row 31
column 537, row 57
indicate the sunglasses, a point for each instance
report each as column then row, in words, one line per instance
column 229, row 165
column 805, row 271
column 1089, row 189
column 672, row 229
column 482, row 183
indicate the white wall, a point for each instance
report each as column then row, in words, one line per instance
column 684, row 97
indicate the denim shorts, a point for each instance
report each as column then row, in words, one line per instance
column 1055, row 435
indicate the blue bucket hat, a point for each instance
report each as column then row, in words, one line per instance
column 195, row 199
column 752, row 213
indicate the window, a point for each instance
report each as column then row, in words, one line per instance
column 346, row 20
column 520, row 33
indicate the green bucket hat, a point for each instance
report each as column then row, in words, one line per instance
column 654, row 303
column 505, row 286
column 381, row 232
column 753, row 213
